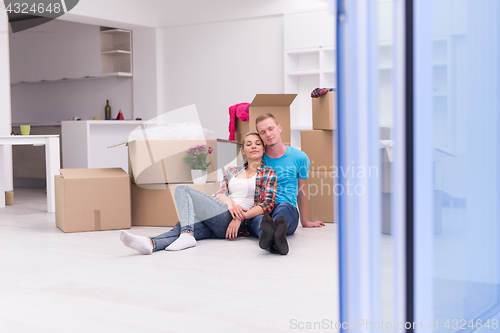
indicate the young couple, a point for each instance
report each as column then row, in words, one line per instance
column 260, row 196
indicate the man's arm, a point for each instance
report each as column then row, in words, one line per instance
column 304, row 206
column 252, row 212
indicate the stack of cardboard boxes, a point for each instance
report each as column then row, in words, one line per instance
column 157, row 170
column 106, row 199
column 318, row 144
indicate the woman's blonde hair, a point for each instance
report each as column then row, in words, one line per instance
column 242, row 143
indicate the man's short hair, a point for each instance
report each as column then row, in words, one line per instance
column 264, row 117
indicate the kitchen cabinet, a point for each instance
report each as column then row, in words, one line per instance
column 60, row 50
column 54, row 51
column 116, row 52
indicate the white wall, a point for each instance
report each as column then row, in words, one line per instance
column 4, row 74
column 216, row 65
column 6, row 166
column 146, row 73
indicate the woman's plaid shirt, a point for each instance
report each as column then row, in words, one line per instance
column 265, row 185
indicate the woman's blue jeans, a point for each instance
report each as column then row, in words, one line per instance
column 201, row 215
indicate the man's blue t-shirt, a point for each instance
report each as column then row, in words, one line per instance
column 294, row 164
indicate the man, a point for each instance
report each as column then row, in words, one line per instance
column 291, row 166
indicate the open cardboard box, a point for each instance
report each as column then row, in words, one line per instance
column 160, row 161
column 277, row 104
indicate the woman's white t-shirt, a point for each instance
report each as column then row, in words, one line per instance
column 242, row 191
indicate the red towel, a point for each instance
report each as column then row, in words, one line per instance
column 238, row 110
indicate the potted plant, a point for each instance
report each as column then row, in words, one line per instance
column 197, row 161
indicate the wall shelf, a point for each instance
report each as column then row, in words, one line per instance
column 87, row 78
column 303, row 73
column 114, row 31
column 116, row 74
column 116, row 51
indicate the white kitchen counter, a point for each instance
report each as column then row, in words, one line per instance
column 85, row 143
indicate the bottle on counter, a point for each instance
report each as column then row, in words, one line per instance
column 107, row 110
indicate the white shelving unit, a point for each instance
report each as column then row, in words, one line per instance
column 116, row 52
column 306, row 70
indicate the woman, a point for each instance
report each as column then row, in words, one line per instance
column 246, row 191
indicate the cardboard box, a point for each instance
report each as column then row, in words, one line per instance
column 277, row 104
column 9, row 198
column 160, row 161
column 321, row 194
column 154, row 205
column 92, row 199
column 324, row 111
column 318, row 145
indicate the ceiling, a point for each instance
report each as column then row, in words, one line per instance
column 181, row 12
column 136, row 14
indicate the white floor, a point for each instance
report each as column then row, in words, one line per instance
column 89, row 282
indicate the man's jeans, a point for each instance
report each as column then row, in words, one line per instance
column 200, row 214
column 283, row 209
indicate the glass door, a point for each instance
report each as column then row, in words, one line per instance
column 433, row 79
column 465, row 128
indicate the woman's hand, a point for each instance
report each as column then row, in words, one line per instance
column 236, row 211
column 232, row 229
